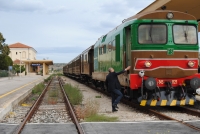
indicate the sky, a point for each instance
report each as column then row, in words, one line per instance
column 60, row 30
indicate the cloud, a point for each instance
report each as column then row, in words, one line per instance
column 63, row 28
column 58, row 57
column 21, row 5
column 56, row 10
column 30, row 6
column 46, row 50
column 114, row 8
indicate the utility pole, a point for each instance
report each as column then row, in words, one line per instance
column 20, row 64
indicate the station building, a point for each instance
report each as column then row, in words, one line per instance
column 22, row 54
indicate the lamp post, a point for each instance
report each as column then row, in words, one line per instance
column 20, row 63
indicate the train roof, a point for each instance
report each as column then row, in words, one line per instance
column 158, row 14
column 187, row 6
column 76, row 58
column 161, row 14
column 88, row 49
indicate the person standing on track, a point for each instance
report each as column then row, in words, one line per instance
column 114, row 86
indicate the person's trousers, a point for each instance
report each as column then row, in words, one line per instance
column 116, row 96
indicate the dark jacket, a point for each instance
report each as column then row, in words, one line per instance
column 112, row 81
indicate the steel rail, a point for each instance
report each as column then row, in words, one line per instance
column 190, row 111
column 146, row 109
column 170, row 118
column 71, row 111
column 32, row 110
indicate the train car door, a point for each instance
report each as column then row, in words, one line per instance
column 127, row 47
column 82, row 63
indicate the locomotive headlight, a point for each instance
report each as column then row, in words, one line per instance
column 147, row 64
column 191, row 63
column 170, row 15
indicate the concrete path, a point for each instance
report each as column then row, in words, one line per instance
column 154, row 127
column 150, row 127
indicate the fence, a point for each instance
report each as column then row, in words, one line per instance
column 5, row 73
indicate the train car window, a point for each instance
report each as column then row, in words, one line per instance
column 109, row 47
column 184, row 34
column 104, row 49
column 86, row 58
column 104, row 38
column 100, row 50
column 113, row 45
column 152, row 34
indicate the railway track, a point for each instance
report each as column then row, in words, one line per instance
column 57, row 84
column 150, row 111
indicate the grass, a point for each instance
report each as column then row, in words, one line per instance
column 74, row 94
column 59, row 74
column 100, row 118
column 38, row 89
column 89, row 110
column 48, row 79
column 33, row 98
column 91, row 107
column 53, row 93
column 99, row 96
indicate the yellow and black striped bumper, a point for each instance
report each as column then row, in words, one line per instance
column 167, row 99
column 167, row 102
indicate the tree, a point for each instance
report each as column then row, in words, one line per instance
column 16, row 68
column 5, row 61
column 2, row 39
column 5, row 49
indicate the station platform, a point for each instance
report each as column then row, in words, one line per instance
column 150, row 127
column 15, row 89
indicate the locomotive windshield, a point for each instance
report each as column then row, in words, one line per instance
column 152, row 34
column 185, row 34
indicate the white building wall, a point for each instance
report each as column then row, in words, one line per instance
column 26, row 53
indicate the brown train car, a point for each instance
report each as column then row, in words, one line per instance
column 77, row 66
column 66, row 69
column 70, row 68
column 87, row 61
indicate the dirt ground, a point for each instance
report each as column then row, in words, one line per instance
column 124, row 113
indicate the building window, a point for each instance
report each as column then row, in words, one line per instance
column 23, row 54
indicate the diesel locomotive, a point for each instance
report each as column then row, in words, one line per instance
column 162, row 49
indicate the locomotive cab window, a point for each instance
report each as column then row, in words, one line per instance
column 152, row 34
column 184, row 34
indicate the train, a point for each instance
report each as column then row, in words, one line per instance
column 162, row 49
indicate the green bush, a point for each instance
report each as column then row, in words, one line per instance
column 38, row 89
column 74, row 94
column 3, row 73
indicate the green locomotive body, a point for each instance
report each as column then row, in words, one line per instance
column 163, row 45
column 162, row 49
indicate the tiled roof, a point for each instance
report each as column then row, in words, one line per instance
column 17, row 61
column 19, row 45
